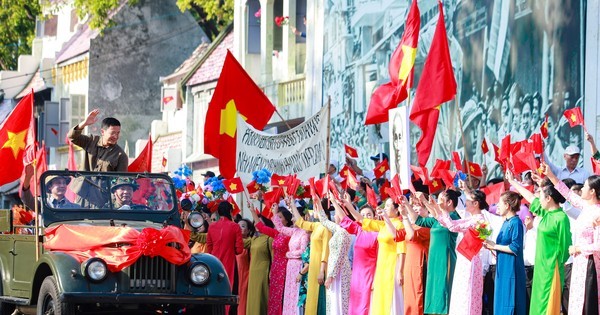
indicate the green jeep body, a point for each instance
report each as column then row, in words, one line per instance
column 58, row 284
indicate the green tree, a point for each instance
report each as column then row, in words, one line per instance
column 212, row 15
column 17, row 30
column 18, row 18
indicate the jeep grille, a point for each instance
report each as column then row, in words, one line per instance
column 152, row 275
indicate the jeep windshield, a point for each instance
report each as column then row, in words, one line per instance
column 67, row 195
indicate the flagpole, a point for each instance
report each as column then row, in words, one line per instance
column 464, row 142
column 282, row 119
column 36, row 210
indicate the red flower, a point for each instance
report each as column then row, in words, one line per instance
column 281, row 20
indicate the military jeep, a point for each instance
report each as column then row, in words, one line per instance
column 98, row 252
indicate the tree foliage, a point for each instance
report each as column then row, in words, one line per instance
column 18, row 18
column 17, row 30
column 212, row 15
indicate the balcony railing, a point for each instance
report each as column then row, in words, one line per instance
column 291, row 92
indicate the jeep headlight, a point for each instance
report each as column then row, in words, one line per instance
column 95, row 269
column 199, row 274
column 195, row 219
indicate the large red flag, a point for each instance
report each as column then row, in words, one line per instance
column 436, row 86
column 574, row 116
column 403, row 58
column 384, row 98
column 235, row 93
column 389, row 95
column 13, row 136
column 143, row 163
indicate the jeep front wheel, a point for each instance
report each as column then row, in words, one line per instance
column 47, row 303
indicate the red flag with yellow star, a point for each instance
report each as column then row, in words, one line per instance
column 234, row 185
column 236, row 208
column 236, row 93
column 351, row 151
column 574, row 116
column 278, row 180
column 13, row 135
column 544, row 128
column 381, row 168
column 253, row 187
column 436, row 86
column 389, row 95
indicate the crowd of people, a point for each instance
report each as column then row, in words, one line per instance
column 414, row 254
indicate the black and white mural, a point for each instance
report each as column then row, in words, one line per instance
column 515, row 62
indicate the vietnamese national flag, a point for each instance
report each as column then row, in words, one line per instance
column 14, row 133
column 345, row 170
column 272, row 197
column 436, row 86
column 484, row 147
column 456, row 160
column 351, row 181
column 493, row 192
column 371, row 197
column 435, row 185
column 277, row 180
column 422, row 173
column 234, row 185
column 389, row 95
column 253, row 187
column 235, row 93
column 396, row 185
column 384, row 98
column 474, row 169
column 505, row 148
column 236, row 208
column 544, row 128
column 383, row 191
column 538, row 143
column 381, row 168
column 497, row 154
column 438, row 166
column 143, row 163
column 351, row 151
column 403, row 59
column 574, row 116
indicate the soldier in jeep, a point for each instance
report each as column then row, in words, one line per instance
column 122, row 194
column 56, row 187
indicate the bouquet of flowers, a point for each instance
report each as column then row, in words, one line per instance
column 214, row 189
column 473, row 239
column 484, row 229
column 281, row 20
column 262, row 178
column 181, row 177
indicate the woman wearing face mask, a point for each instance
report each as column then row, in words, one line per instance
column 260, row 265
column 243, row 264
column 585, row 275
column 339, row 271
column 280, row 249
column 387, row 290
column 319, row 254
column 297, row 245
column 417, row 246
column 440, row 267
column 365, row 257
column 509, row 294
